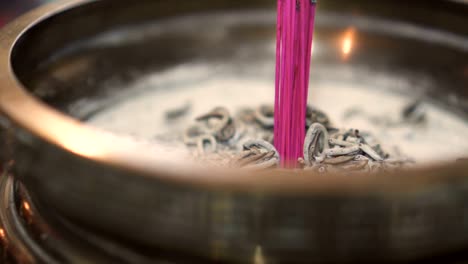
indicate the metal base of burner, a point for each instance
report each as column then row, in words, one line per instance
column 32, row 234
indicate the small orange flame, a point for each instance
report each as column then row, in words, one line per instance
column 26, row 206
column 3, row 238
column 2, row 234
column 347, row 44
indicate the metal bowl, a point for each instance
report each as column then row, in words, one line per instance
column 50, row 59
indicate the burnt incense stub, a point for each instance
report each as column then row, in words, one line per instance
column 245, row 140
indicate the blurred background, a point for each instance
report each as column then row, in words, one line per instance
column 9, row 9
column 12, row 8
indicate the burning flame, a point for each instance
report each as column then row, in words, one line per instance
column 2, row 234
column 27, row 212
column 26, row 206
column 347, row 46
column 347, row 43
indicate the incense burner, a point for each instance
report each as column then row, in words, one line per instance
column 63, row 55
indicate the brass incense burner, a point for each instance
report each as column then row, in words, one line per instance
column 49, row 59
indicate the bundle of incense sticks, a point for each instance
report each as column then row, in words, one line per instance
column 295, row 28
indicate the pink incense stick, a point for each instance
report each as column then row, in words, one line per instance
column 295, row 29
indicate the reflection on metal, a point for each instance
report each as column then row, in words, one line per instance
column 347, row 43
column 80, row 144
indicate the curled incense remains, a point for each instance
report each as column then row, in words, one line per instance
column 295, row 28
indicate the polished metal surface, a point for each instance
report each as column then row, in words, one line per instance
column 223, row 215
column 27, row 237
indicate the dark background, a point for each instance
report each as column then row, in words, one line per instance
column 9, row 9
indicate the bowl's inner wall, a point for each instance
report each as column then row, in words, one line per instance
column 55, row 61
